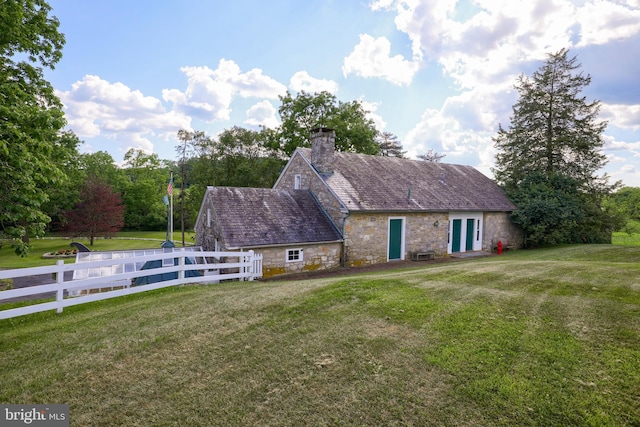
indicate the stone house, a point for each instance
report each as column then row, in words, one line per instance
column 381, row 209
column 289, row 228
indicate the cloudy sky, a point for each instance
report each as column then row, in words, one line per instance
column 438, row 74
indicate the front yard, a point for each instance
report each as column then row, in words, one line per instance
column 533, row 338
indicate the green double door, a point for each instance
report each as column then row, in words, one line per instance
column 456, row 235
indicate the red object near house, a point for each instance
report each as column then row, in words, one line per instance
column 499, row 247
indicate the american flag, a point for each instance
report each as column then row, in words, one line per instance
column 170, row 187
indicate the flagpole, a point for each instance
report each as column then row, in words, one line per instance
column 171, row 207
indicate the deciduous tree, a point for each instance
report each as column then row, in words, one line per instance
column 628, row 198
column 142, row 190
column 64, row 194
column 100, row 212
column 190, row 144
column 102, row 166
column 304, row 112
column 30, row 117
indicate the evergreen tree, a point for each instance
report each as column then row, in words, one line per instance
column 552, row 152
column 431, row 156
column 389, row 145
column 554, row 130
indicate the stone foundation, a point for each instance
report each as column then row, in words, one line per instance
column 315, row 257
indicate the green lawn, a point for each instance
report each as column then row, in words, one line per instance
column 530, row 338
column 123, row 241
column 629, row 237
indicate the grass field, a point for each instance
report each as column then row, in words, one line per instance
column 123, row 241
column 629, row 237
column 529, row 338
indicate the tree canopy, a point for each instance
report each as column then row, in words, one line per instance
column 304, row 112
column 628, row 198
column 549, row 157
column 63, row 194
column 143, row 185
column 554, row 129
column 431, row 156
column 31, row 117
column 389, row 144
column 100, row 212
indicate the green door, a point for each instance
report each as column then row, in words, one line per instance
column 395, row 239
column 469, row 243
column 455, row 238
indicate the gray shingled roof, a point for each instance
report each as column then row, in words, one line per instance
column 265, row 216
column 375, row 183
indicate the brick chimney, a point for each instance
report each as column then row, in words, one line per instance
column 323, row 146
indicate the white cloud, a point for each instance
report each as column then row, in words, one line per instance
column 483, row 45
column 302, row 81
column 371, row 108
column 439, row 132
column 603, row 21
column 97, row 108
column 622, row 115
column 620, row 169
column 614, row 145
column 490, row 44
column 209, row 93
column 481, row 108
column 498, row 36
column 381, row 4
column 250, row 84
column 262, row 114
column 372, row 58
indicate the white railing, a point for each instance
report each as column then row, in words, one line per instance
column 239, row 265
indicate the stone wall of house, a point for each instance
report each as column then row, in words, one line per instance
column 366, row 235
column 499, row 227
column 427, row 231
column 321, row 256
column 207, row 227
column 205, row 233
column 310, row 180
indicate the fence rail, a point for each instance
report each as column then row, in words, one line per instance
column 214, row 267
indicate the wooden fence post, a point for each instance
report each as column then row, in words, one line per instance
column 250, row 268
column 60, row 282
column 181, row 263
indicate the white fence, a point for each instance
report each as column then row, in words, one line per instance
column 239, row 265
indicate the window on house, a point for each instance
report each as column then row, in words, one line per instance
column 478, row 231
column 297, row 184
column 294, row 255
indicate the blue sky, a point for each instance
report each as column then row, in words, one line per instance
column 438, row 74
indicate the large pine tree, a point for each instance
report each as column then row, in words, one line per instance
column 552, row 149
